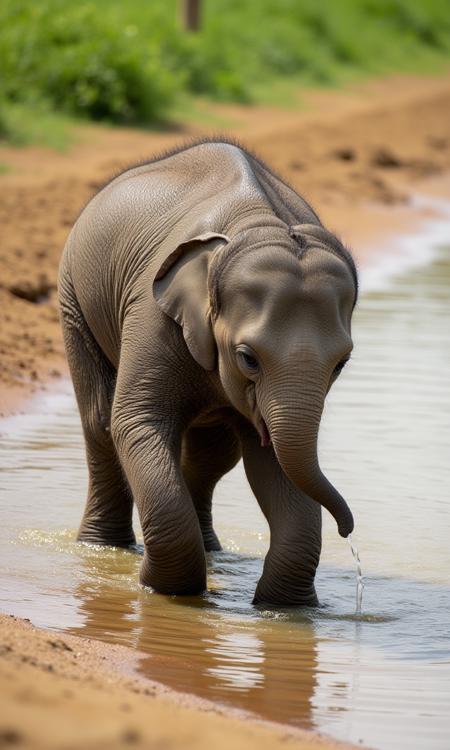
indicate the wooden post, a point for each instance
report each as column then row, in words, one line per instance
column 190, row 13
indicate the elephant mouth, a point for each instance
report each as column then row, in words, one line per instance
column 257, row 419
column 263, row 432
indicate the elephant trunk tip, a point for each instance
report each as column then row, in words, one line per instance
column 346, row 523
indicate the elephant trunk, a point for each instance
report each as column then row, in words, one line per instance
column 293, row 429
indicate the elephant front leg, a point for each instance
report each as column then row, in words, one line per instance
column 295, row 529
column 174, row 559
column 208, row 453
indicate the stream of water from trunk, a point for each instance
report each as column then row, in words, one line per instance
column 359, row 576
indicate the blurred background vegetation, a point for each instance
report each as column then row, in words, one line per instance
column 133, row 62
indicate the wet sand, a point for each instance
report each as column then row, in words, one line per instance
column 60, row 691
column 56, row 691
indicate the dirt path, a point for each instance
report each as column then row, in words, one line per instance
column 356, row 156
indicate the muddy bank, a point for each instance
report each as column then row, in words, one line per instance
column 358, row 156
column 62, row 691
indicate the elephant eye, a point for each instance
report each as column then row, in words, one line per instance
column 247, row 361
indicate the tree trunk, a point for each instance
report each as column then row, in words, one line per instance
column 190, row 13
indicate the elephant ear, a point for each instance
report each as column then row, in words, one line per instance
column 181, row 290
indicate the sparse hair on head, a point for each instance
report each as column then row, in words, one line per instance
column 308, row 236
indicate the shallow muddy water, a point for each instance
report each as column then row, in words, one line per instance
column 382, row 678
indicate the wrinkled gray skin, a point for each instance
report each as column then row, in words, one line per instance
column 206, row 313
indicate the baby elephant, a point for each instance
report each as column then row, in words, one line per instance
column 206, row 313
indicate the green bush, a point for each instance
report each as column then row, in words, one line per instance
column 128, row 62
column 74, row 58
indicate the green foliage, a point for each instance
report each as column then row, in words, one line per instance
column 131, row 62
column 74, row 57
column 22, row 124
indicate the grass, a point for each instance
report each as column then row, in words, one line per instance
column 23, row 125
column 132, row 63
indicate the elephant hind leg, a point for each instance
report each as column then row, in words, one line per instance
column 108, row 514
column 207, row 454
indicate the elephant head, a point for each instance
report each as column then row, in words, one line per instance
column 270, row 310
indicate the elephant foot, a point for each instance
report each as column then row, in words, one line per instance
column 293, row 601
column 211, row 541
column 171, row 570
column 107, row 538
column 304, row 596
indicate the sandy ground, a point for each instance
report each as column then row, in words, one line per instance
column 59, row 691
column 358, row 156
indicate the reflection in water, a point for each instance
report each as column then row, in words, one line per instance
column 383, row 677
column 200, row 646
